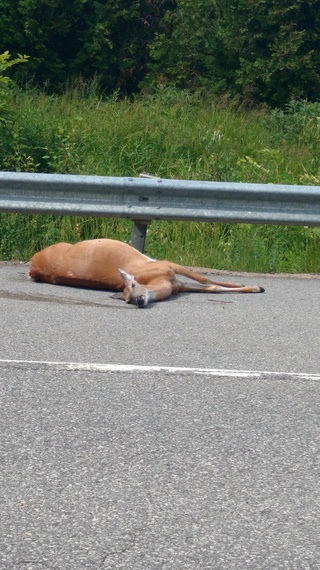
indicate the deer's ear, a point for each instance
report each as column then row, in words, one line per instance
column 126, row 277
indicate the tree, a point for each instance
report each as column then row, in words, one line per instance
column 46, row 30
column 185, row 52
column 266, row 50
column 69, row 39
column 276, row 46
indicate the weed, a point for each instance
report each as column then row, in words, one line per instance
column 172, row 135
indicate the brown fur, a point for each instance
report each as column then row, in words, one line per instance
column 96, row 264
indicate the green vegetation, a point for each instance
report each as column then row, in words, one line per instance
column 260, row 50
column 172, row 134
column 174, row 88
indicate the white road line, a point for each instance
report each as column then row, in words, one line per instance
column 96, row 367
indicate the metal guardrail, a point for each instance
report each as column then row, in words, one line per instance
column 147, row 199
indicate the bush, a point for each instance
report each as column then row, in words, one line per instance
column 6, row 115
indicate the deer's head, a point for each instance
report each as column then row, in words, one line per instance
column 134, row 292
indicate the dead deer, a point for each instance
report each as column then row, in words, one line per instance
column 116, row 266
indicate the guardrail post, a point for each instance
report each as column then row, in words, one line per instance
column 139, row 233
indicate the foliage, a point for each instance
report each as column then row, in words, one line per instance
column 185, row 51
column 264, row 51
column 81, row 38
column 276, row 48
column 173, row 134
column 258, row 51
column 7, row 135
column 5, row 64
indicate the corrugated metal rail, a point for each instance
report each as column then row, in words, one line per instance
column 147, row 199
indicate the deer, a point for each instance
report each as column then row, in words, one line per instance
column 116, row 266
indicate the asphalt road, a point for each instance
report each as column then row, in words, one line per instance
column 201, row 453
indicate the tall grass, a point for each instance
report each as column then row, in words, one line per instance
column 172, row 135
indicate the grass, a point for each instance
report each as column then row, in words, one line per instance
column 172, row 135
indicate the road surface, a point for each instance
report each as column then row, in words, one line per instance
column 180, row 436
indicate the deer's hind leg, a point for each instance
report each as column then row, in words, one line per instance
column 208, row 288
column 181, row 270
